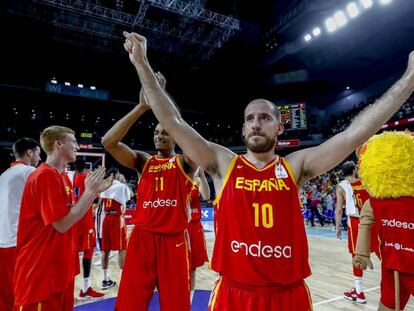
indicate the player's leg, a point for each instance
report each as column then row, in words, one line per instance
column 174, row 275
column 139, row 274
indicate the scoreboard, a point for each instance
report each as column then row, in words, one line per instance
column 293, row 116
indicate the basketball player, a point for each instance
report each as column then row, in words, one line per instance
column 261, row 249
column 113, row 229
column 27, row 156
column 352, row 195
column 195, row 227
column 158, row 251
column 87, row 236
column 47, row 259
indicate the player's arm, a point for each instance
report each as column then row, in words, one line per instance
column 339, row 209
column 311, row 162
column 363, row 247
column 211, row 157
column 94, row 184
column 203, row 186
column 112, row 139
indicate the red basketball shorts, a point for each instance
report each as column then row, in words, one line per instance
column 198, row 244
column 228, row 295
column 155, row 260
column 113, row 234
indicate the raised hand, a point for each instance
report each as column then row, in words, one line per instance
column 136, row 46
column 410, row 66
column 161, row 79
column 95, row 181
column 143, row 101
column 106, row 183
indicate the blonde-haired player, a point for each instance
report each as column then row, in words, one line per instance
column 47, row 258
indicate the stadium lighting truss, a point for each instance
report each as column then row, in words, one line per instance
column 220, row 27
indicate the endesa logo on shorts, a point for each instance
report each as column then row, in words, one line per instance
column 393, row 223
column 260, row 250
column 160, row 203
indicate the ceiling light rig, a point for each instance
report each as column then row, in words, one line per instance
column 79, row 85
column 341, row 17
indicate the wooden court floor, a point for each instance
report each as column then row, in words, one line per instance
column 331, row 276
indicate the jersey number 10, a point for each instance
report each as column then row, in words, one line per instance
column 266, row 211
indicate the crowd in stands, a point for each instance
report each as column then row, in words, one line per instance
column 318, row 198
column 18, row 121
column 94, row 119
column 338, row 123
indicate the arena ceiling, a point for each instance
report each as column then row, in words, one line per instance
column 258, row 51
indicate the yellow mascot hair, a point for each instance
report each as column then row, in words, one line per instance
column 387, row 165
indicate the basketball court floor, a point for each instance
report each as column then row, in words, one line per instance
column 331, row 276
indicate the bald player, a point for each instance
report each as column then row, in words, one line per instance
column 261, row 249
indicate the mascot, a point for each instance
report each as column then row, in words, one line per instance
column 387, row 173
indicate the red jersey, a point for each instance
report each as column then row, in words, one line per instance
column 163, row 196
column 78, row 185
column 361, row 195
column 395, row 220
column 87, row 222
column 260, row 235
column 112, row 207
column 46, row 260
column 195, row 203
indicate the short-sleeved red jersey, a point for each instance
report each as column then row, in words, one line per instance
column 260, row 235
column 394, row 219
column 162, row 204
column 46, row 260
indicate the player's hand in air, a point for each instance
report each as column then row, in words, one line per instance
column 96, row 182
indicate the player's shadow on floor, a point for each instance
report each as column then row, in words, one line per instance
column 200, row 303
